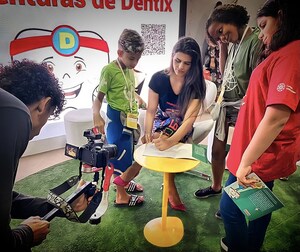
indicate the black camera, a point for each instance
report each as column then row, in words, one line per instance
column 95, row 153
column 94, row 156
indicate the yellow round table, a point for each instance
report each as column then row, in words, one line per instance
column 164, row 231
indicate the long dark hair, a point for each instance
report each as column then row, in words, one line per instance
column 289, row 27
column 195, row 86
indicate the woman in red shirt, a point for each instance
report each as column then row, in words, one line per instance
column 266, row 138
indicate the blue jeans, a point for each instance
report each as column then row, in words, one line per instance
column 123, row 141
column 242, row 235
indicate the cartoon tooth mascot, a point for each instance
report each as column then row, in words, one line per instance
column 68, row 55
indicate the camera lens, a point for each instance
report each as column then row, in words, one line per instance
column 112, row 150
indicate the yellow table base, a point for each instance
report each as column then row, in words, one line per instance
column 164, row 235
column 165, row 231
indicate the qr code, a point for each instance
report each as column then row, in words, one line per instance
column 155, row 38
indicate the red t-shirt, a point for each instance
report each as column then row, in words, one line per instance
column 275, row 81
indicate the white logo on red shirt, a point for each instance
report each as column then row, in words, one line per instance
column 280, row 87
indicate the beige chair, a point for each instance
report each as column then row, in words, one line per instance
column 76, row 122
column 204, row 125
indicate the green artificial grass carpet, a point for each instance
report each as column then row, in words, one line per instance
column 121, row 229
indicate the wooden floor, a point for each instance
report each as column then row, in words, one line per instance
column 34, row 163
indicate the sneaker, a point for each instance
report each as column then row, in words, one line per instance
column 206, row 192
column 218, row 215
column 223, row 244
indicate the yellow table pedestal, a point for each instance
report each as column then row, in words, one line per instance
column 165, row 231
column 164, row 236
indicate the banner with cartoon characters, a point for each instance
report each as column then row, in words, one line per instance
column 76, row 38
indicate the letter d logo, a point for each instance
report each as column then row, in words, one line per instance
column 65, row 40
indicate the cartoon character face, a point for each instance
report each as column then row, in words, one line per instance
column 76, row 60
column 70, row 71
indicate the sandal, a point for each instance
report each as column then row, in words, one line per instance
column 181, row 207
column 131, row 186
column 134, row 200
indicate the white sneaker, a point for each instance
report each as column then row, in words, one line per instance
column 223, row 244
column 218, row 215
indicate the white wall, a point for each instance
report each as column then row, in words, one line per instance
column 198, row 12
column 109, row 23
column 157, row 23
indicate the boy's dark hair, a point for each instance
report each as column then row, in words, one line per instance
column 30, row 82
column 218, row 4
column 131, row 41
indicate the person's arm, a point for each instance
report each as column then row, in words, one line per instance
column 34, row 206
column 150, row 114
column 223, row 54
column 141, row 103
column 13, row 144
column 186, row 126
column 268, row 129
column 99, row 122
column 33, row 230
